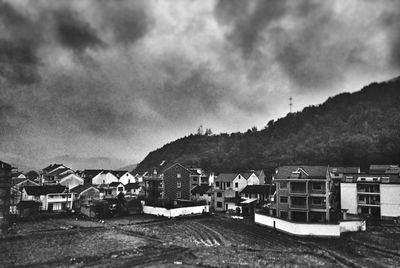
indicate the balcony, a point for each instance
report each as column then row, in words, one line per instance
column 368, row 189
column 298, row 203
column 298, row 188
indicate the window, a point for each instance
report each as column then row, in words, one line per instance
column 219, row 194
column 385, row 179
column 219, row 204
column 228, row 184
column 283, row 185
column 178, row 175
column 178, row 184
column 209, row 194
column 201, row 194
column 120, row 189
column 178, row 194
column 236, row 185
column 217, row 183
column 283, row 199
column 284, row 214
column 317, row 201
column 194, row 178
column 317, row 186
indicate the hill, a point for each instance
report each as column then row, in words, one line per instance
column 349, row 129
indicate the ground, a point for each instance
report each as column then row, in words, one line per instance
column 208, row 241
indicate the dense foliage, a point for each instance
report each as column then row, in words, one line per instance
column 349, row 129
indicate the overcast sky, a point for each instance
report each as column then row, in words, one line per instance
column 119, row 79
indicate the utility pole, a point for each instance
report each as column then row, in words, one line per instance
column 290, row 104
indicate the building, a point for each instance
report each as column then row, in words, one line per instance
column 53, row 173
column 203, row 192
column 5, row 187
column 89, row 174
column 133, row 188
column 17, row 184
column 255, row 196
column 52, row 197
column 198, row 177
column 124, row 176
column 375, row 194
column 168, row 182
column 302, row 193
column 104, row 177
column 251, row 178
column 71, row 180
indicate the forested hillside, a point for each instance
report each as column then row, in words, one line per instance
column 349, row 129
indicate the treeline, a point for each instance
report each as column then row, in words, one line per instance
column 349, row 129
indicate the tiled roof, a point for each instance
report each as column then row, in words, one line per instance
column 132, row 185
column 258, row 189
column 118, row 173
column 5, row 165
column 59, row 171
column 51, row 167
column 80, row 188
column 228, row 177
column 247, row 175
column 344, row 169
column 114, row 184
column 45, row 189
column 285, row 172
column 201, row 189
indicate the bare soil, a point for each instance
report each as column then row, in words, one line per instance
column 212, row 241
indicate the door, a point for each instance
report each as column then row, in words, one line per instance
column 50, row 207
column 226, row 207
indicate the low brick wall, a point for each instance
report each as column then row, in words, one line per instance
column 175, row 212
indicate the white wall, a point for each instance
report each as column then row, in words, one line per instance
column 175, row 212
column 352, row 226
column 300, row 229
column 242, row 182
column 72, row 181
column 104, row 178
column 348, row 197
column 253, row 180
column 127, row 178
column 390, row 200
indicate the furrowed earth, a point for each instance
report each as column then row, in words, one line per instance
column 207, row 241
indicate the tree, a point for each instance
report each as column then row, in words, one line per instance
column 200, row 130
column 208, row 132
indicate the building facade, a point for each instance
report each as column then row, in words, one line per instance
column 5, row 187
column 302, row 193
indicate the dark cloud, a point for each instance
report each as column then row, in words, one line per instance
column 74, row 33
column 248, row 20
column 391, row 22
column 18, row 46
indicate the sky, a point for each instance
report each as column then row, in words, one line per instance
column 119, row 79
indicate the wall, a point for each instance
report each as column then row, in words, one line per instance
column 242, row 183
column 171, row 179
column 300, row 229
column 253, row 180
column 390, row 200
column 352, row 226
column 348, row 197
column 72, row 181
column 175, row 212
column 5, row 186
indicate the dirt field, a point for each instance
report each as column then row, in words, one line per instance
column 214, row 241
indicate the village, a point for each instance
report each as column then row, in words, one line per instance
column 172, row 214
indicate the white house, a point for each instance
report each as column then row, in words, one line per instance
column 105, row 177
column 124, row 176
column 52, row 197
column 71, row 180
column 239, row 183
column 251, row 178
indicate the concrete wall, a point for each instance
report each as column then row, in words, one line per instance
column 300, row 229
column 348, row 197
column 390, row 200
column 175, row 212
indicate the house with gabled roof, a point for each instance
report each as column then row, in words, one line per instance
column 251, row 178
column 203, row 192
column 17, row 184
column 303, row 193
column 89, row 174
column 53, row 197
column 70, row 180
column 53, row 173
column 104, row 177
column 124, row 176
column 133, row 188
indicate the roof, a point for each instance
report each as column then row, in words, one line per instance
column 344, row 169
column 201, row 189
column 90, row 173
column 29, row 204
column 81, row 188
column 258, row 189
column 387, row 169
column 258, row 172
column 59, row 171
column 115, row 184
column 286, row 172
column 5, row 165
column 352, row 178
column 132, row 185
column 45, row 189
column 247, row 175
column 15, row 181
column 248, row 201
column 228, row 177
column 119, row 173
column 51, row 167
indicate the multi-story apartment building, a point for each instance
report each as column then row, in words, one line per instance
column 5, row 186
column 302, row 193
column 169, row 181
column 376, row 193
